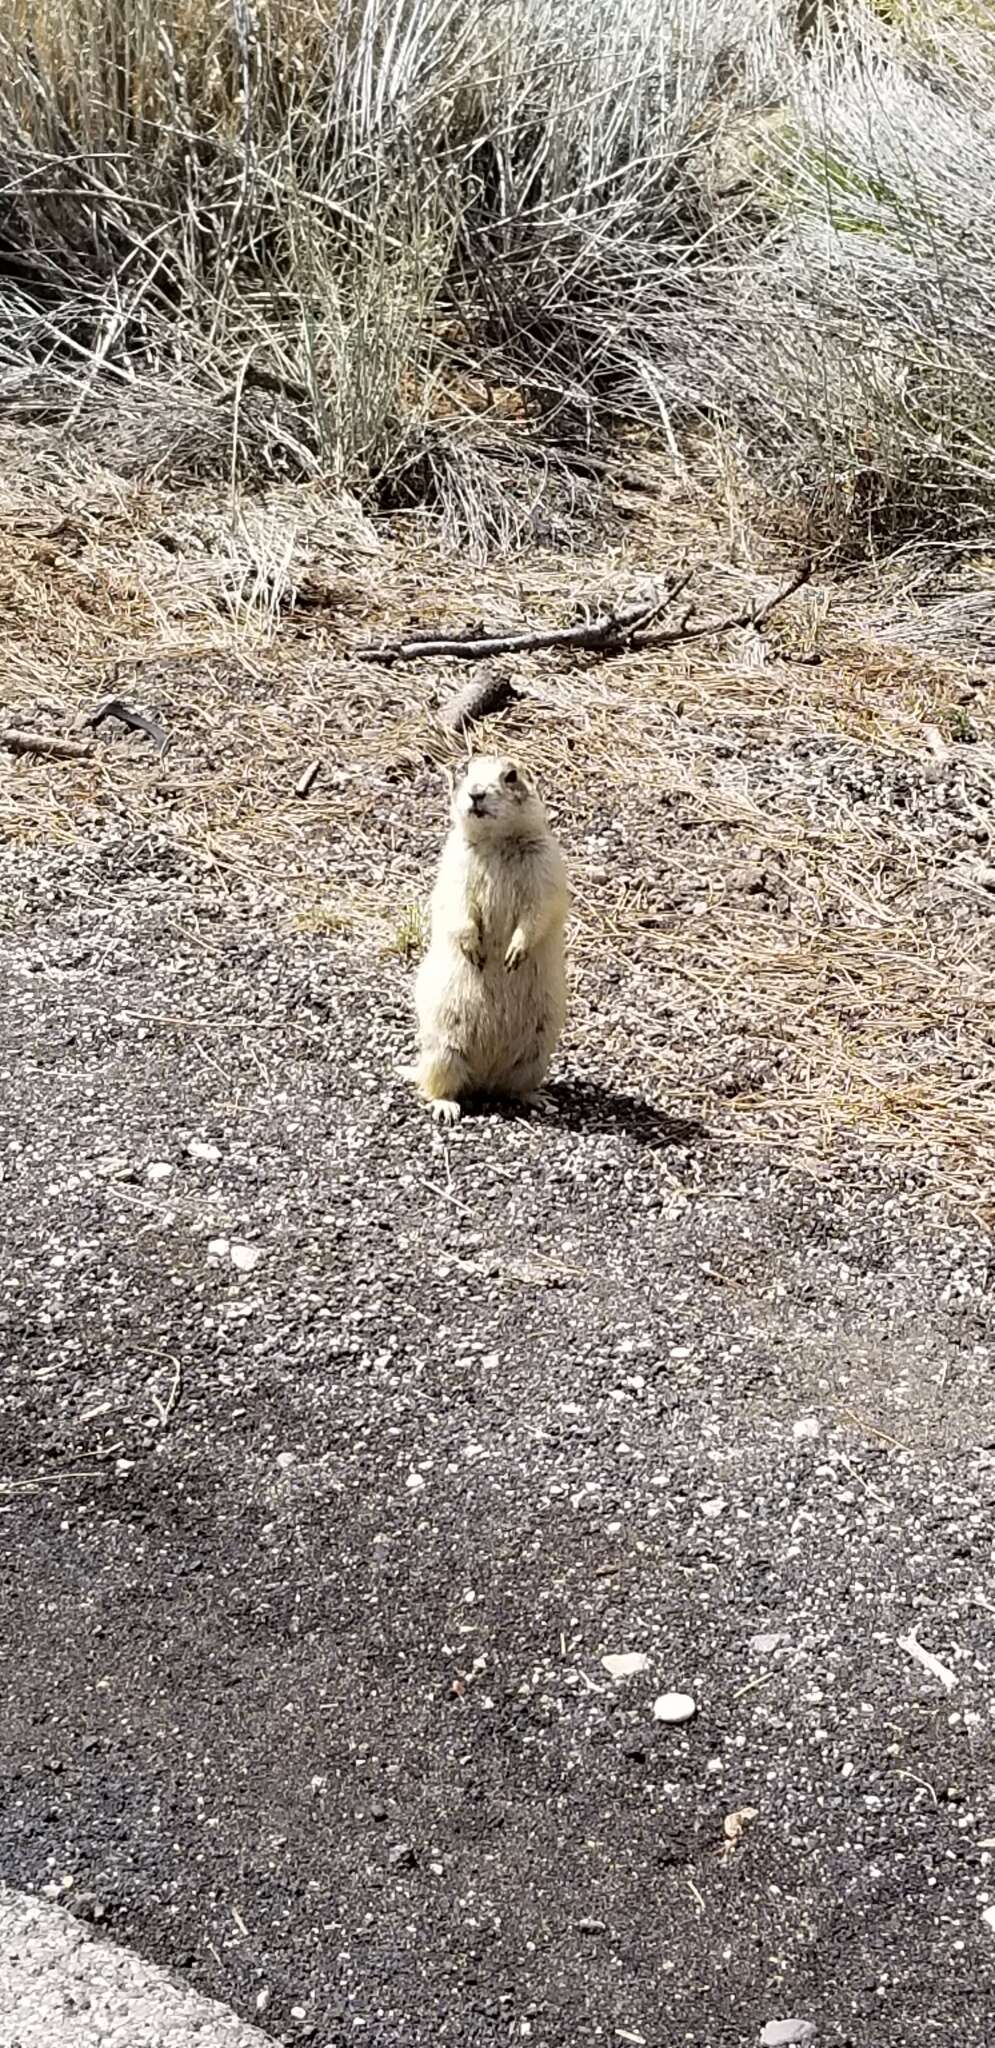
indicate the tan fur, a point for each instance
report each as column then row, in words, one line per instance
column 491, row 991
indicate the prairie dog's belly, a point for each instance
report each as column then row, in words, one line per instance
column 493, row 1016
column 499, row 896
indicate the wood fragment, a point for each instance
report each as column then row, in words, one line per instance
column 305, row 783
column 479, row 699
column 604, row 471
column 136, row 721
column 47, row 745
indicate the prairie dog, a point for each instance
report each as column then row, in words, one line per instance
column 491, row 991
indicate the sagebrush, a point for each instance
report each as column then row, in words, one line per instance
column 433, row 248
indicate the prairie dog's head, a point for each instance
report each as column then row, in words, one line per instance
column 493, row 800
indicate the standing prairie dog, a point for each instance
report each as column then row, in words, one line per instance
column 491, row 991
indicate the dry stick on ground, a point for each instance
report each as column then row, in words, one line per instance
column 49, row 745
column 305, row 783
column 600, row 468
column 751, row 617
column 611, row 634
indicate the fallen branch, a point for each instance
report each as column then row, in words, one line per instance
column 753, row 616
column 605, row 472
column 610, row 634
column 48, row 745
column 136, row 721
column 914, row 1648
column 599, row 468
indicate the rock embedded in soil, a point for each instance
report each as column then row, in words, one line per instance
column 626, row 1664
column 674, row 1707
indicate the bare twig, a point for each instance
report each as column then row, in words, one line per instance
column 757, row 618
column 49, row 745
column 164, row 1409
column 600, row 468
column 604, row 471
column 305, row 783
column 136, row 721
column 914, row 1648
column 801, row 576
column 611, row 632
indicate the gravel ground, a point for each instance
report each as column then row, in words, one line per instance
column 337, row 1454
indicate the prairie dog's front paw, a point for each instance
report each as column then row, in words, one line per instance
column 471, row 944
column 517, row 949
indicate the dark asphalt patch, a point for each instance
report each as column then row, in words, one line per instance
column 309, row 1565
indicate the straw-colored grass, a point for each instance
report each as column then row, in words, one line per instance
column 419, row 247
column 779, row 922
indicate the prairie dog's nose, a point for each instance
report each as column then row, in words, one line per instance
column 476, row 797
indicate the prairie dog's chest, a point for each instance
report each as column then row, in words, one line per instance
column 499, row 889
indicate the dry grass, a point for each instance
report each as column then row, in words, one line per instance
column 778, row 921
column 280, row 240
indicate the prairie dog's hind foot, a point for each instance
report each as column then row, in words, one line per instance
column 442, row 1078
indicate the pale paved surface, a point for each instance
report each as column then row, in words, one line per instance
column 63, row 1987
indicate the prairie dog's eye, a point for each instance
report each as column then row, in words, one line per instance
column 511, row 774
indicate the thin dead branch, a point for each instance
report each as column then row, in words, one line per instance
column 608, row 634
column 754, row 616
column 612, row 633
column 50, row 746
column 305, row 783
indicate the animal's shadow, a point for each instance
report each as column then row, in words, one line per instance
column 587, row 1107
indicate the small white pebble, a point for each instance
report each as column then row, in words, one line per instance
column 626, row 1663
column 203, row 1154
column 217, row 1247
column 245, row 1257
column 806, row 1426
column 674, row 1707
column 285, row 1459
column 160, row 1169
column 414, row 1482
